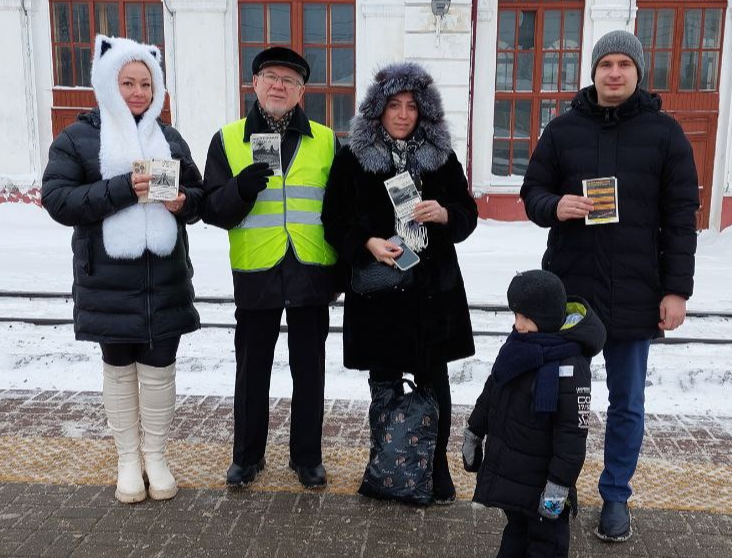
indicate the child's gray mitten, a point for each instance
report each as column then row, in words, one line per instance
column 472, row 451
column 553, row 500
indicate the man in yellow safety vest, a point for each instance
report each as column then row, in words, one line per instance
column 279, row 260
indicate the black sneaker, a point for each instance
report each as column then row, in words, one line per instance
column 238, row 476
column 614, row 522
column 310, row 477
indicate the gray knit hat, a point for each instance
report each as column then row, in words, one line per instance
column 540, row 296
column 619, row 42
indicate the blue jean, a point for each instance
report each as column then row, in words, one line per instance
column 626, row 363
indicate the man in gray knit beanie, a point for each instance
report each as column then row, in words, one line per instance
column 619, row 42
column 614, row 129
column 617, row 67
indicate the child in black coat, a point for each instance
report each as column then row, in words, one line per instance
column 535, row 411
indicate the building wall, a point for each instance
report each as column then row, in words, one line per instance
column 721, row 207
column 498, row 195
column 203, row 80
column 19, row 145
column 202, row 73
column 407, row 30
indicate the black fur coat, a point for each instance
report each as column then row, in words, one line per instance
column 414, row 329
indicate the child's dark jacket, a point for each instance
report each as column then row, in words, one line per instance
column 525, row 448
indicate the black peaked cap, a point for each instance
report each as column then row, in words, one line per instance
column 281, row 56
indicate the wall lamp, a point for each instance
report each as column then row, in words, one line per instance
column 440, row 9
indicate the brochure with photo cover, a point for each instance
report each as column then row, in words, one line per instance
column 404, row 195
column 266, row 148
column 604, row 194
column 165, row 178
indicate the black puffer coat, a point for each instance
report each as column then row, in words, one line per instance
column 403, row 330
column 523, row 448
column 624, row 269
column 119, row 300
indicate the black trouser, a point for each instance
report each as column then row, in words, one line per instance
column 255, row 338
column 160, row 354
column 535, row 537
column 437, row 378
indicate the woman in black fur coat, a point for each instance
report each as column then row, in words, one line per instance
column 418, row 330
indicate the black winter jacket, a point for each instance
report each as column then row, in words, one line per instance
column 525, row 448
column 406, row 330
column 623, row 269
column 119, row 300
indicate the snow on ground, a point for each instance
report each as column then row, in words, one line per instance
column 35, row 255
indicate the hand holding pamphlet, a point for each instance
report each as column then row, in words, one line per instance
column 604, row 195
column 266, row 148
column 164, row 183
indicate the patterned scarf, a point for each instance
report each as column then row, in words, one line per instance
column 403, row 157
column 277, row 126
column 403, row 153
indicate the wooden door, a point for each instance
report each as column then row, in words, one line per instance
column 682, row 43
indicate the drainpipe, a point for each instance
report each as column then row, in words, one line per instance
column 471, row 89
column 31, row 102
column 172, row 99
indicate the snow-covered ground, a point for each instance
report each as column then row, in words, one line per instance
column 35, row 255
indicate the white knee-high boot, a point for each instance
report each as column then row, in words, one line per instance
column 120, row 394
column 157, row 406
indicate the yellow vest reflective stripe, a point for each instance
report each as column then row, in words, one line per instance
column 288, row 210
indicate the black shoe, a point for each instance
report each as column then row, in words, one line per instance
column 443, row 488
column 310, row 477
column 238, row 476
column 614, row 522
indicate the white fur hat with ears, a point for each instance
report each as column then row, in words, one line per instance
column 122, row 140
column 110, row 55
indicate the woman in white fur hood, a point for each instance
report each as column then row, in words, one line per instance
column 132, row 275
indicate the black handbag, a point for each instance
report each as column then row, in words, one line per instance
column 377, row 277
column 403, row 439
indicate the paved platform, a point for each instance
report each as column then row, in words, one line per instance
column 57, row 467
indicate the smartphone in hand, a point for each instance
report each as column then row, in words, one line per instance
column 408, row 258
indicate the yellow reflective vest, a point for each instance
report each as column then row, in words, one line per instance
column 288, row 210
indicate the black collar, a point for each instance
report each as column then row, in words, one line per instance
column 256, row 124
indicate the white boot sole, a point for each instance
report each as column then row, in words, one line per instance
column 127, row 498
column 165, row 494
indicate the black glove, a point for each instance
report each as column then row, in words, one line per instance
column 252, row 180
column 472, row 451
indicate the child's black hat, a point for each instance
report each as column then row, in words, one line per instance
column 540, row 296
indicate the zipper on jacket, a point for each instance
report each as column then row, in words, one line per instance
column 148, row 298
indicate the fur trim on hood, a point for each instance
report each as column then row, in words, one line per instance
column 366, row 143
column 130, row 231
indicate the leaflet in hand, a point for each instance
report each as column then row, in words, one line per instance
column 165, row 178
column 604, row 194
column 404, row 195
column 266, row 148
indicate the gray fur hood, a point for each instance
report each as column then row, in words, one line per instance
column 366, row 143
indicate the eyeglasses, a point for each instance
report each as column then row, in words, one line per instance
column 288, row 83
